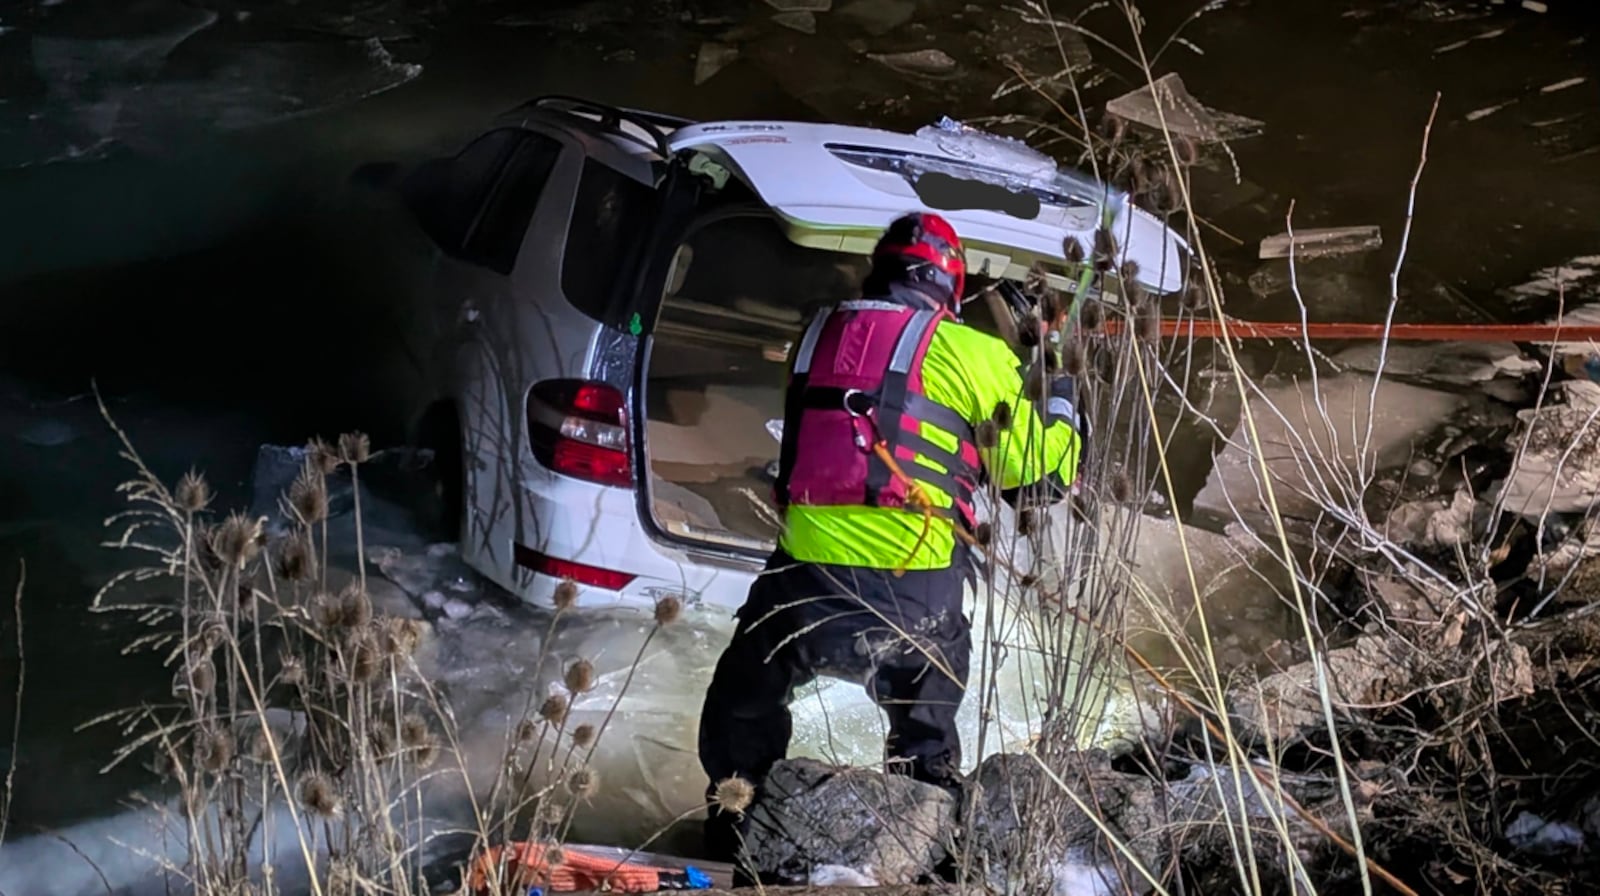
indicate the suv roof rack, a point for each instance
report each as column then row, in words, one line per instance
column 612, row 118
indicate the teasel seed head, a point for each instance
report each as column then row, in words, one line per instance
column 1072, row 359
column 236, row 540
column 1001, row 415
column 566, row 595
column 526, row 731
column 1120, row 486
column 734, row 795
column 983, row 534
column 401, row 636
column 987, row 434
column 366, row 661
column 668, row 609
column 1090, row 316
column 215, row 749
column 354, row 448
column 322, row 455
column 554, row 709
column 580, row 676
column 308, row 494
column 193, row 493
column 583, row 782
column 1072, row 250
column 202, row 675
column 583, row 735
column 318, row 794
column 354, row 606
column 297, row 560
column 1105, row 249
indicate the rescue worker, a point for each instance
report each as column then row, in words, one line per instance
column 865, row 583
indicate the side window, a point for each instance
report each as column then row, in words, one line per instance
column 476, row 205
column 497, row 238
column 611, row 215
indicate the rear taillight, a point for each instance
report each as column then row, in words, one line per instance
column 581, row 573
column 577, row 428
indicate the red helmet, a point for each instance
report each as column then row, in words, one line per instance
column 930, row 250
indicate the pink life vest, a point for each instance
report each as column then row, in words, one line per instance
column 857, row 378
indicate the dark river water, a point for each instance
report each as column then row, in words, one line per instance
column 192, row 263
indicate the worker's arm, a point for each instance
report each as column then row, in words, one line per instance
column 1028, row 449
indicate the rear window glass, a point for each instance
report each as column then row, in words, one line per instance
column 610, row 217
column 498, row 236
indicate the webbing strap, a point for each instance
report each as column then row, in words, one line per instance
column 808, row 343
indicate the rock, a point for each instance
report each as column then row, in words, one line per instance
column 877, row 17
column 803, row 22
column 1063, row 850
column 932, row 62
column 456, row 608
column 1374, row 670
column 1532, row 834
column 1438, row 521
column 888, row 828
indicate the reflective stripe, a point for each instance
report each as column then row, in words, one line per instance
column 929, row 411
column 910, row 339
column 870, row 305
column 808, row 345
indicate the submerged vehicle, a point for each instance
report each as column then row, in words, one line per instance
column 621, row 291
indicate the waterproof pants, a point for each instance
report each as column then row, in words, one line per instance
column 905, row 639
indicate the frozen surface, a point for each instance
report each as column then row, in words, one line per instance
column 1313, row 440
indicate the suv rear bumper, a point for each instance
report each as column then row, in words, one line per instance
column 598, row 526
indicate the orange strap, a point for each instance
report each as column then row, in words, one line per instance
column 527, row 864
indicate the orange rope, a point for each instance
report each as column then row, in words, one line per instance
column 528, row 864
column 916, row 495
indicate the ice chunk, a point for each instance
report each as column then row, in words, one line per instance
column 1303, row 244
column 712, row 58
column 878, row 17
column 1313, row 439
column 1168, row 101
column 930, row 62
column 1559, row 470
column 1448, row 362
column 803, row 22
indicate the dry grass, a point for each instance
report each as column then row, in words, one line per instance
column 292, row 694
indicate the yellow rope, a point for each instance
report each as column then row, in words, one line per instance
column 916, row 496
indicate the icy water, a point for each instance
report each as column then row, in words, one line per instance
column 171, row 217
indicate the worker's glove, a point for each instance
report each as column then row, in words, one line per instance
column 1062, row 403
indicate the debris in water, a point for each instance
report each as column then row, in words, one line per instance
column 712, row 58
column 1562, row 85
column 803, row 22
column 1534, row 6
column 930, row 62
column 1168, row 98
column 1322, row 242
column 877, row 17
column 1486, row 111
column 1477, row 37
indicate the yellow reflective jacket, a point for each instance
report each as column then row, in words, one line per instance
column 970, row 372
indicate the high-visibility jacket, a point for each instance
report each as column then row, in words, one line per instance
column 970, row 372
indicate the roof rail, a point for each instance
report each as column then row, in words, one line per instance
column 612, row 118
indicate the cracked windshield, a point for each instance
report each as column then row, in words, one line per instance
column 483, row 447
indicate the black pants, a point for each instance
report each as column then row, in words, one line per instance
column 905, row 639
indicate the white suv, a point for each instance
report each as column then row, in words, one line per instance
column 619, row 292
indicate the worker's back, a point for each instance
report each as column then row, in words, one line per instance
column 971, row 373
